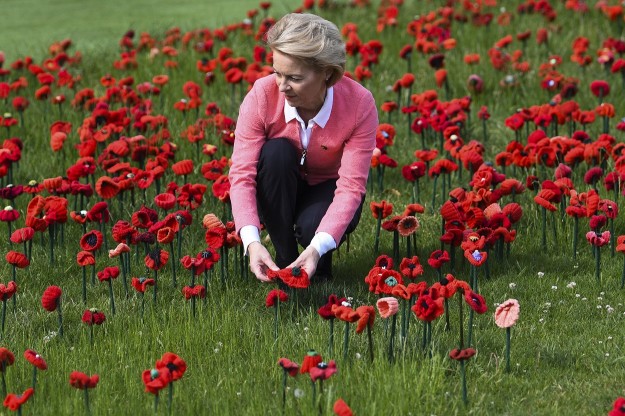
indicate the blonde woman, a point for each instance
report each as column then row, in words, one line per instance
column 303, row 145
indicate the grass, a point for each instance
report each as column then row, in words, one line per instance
column 567, row 353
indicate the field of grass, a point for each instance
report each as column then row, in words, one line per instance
column 567, row 348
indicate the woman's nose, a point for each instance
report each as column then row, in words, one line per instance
column 284, row 86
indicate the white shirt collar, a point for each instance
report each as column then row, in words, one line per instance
column 322, row 117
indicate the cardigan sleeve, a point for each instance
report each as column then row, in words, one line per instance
column 354, row 170
column 249, row 139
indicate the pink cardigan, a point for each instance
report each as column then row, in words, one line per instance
column 342, row 149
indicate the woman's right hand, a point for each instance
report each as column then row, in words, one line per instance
column 260, row 261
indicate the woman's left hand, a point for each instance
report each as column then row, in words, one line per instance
column 307, row 260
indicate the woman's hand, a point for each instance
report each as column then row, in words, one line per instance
column 260, row 261
column 308, row 260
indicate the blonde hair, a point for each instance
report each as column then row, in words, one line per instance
column 311, row 39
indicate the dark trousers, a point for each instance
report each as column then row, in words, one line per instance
column 290, row 208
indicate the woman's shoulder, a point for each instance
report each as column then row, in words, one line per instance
column 350, row 89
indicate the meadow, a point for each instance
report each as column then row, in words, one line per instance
column 529, row 57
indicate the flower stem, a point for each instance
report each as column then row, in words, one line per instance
column 156, row 403
column 346, row 340
column 370, row 339
column 284, row 378
column 331, row 338
column 544, row 228
column 155, row 285
column 84, row 285
column 111, row 297
column 173, row 262
column 86, row 396
column 276, row 314
column 391, row 341
column 60, row 318
column 464, row 382
column 170, row 397
column 508, row 350
column 598, row 264
column 376, row 244
column 34, row 377
column 4, row 312
column 575, row 232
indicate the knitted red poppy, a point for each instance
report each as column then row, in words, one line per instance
column 196, row 291
column 7, row 291
column 289, row 366
column 108, row 273
column 35, row 359
column 141, row 284
column 461, row 355
column 275, row 295
column 51, row 298
column 176, row 365
column 294, row 277
column 91, row 241
column 155, row 380
column 15, row 401
column 17, row 259
column 82, row 381
column 311, row 360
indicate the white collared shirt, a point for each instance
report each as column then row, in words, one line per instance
column 322, row 241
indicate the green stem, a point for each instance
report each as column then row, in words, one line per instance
column 331, row 338
column 4, row 312
column 575, row 238
column 376, row 244
column 170, row 397
column 391, row 341
column 461, row 319
column 111, row 297
column 86, row 396
column 276, row 314
column 464, row 382
column 508, row 350
column 544, row 228
column 84, row 285
column 284, row 378
column 598, row 264
column 60, row 313
column 370, row 339
column 346, row 341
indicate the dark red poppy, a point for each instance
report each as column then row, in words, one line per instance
column 6, row 359
column 141, row 284
column 599, row 88
column 618, row 408
column 51, row 298
column 165, row 201
column 15, row 401
column 93, row 317
column 82, row 381
column 91, row 241
column 325, row 311
column 461, row 355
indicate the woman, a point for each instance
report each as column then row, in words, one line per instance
column 304, row 140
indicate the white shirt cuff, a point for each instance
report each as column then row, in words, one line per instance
column 322, row 242
column 249, row 234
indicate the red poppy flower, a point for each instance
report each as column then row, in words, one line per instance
column 51, row 298
column 274, row 296
column 367, row 317
column 22, row 234
column 156, row 379
column 108, row 273
column 428, row 309
column 184, row 167
column 322, row 371
column 35, row 359
column 407, row 225
column 7, row 291
column 289, row 366
column 165, row 201
column 476, row 257
column 15, row 401
column 141, row 284
column 106, row 187
column 195, row 291
column 82, row 381
column 341, row 408
column 172, row 362
column 17, row 259
column 8, row 214
column 383, row 261
column 325, row 311
column 598, row 240
column 311, row 360
column 381, row 209
column 411, row 268
column 475, row 301
column 156, row 259
column 295, row 277
column 600, row 88
column 618, row 409
column 165, row 235
column 345, row 313
column 91, row 241
column 93, row 317
column 438, row 258
column 6, row 359
column 461, row 355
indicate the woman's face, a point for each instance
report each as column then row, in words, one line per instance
column 303, row 86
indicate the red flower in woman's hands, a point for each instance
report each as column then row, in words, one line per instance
column 295, row 277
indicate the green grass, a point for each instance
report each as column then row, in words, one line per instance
column 567, row 350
